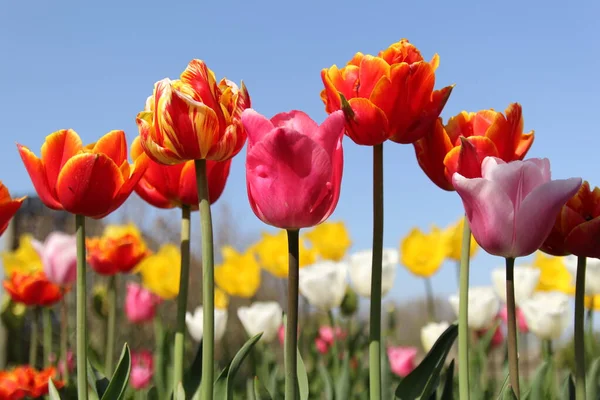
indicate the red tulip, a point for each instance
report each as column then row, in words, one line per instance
column 32, row 289
column 8, row 207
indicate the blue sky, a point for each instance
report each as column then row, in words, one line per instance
column 90, row 66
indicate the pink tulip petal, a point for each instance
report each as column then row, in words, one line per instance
column 296, row 121
column 331, row 131
column 256, row 125
column 338, row 170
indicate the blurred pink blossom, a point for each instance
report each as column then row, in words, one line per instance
column 142, row 368
column 140, row 303
column 402, row 359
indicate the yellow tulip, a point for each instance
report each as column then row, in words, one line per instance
column 423, row 254
column 23, row 259
column 221, row 299
column 239, row 274
column 454, row 236
column 160, row 271
column 554, row 274
column 272, row 252
column 330, row 240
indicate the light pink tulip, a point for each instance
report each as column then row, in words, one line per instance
column 140, row 303
column 521, row 321
column 59, row 257
column 321, row 345
column 326, row 338
column 293, row 167
column 142, row 369
column 511, row 209
column 281, row 335
column 402, row 359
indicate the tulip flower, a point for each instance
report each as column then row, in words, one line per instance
column 324, row 284
column 592, row 273
column 526, row 281
column 512, row 207
column 193, row 118
column 8, row 207
column 161, row 272
column 272, row 255
column 239, row 273
column 293, row 167
column 26, row 382
column 554, row 275
column 360, row 271
column 142, row 369
column 547, row 314
column 431, row 332
column 140, row 303
column 24, row 259
column 261, row 316
column 330, row 240
column 194, row 323
column 92, row 181
column 119, row 249
column 281, row 335
column 454, row 234
column 169, row 186
column 327, row 336
column 521, row 321
column 462, row 144
column 390, row 96
column 423, row 254
column 59, row 257
column 221, row 299
column 402, row 359
column 483, row 307
column 33, row 289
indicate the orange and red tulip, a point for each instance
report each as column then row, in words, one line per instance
column 168, row 186
column 193, row 118
column 389, row 96
column 92, row 180
column 32, row 289
column 26, row 382
column 462, row 144
column 120, row 249
column 8, row 207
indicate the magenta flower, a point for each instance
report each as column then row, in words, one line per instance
column 142, row 369
column 59, row 257
column 521, row 321
column 402, row 359
column 140, row 303
column 293, row 167
column 511, row 209
column 327, row 336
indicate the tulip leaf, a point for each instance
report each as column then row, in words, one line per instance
column 386, row 376
column 568, row 392
column 191, row 377
column 260, row 391
column 503, row 388
column 118, row 384
column 152, row 393
column 539, row 384
column 342, row 387
column 97, row 383
column 509, row 394
column 162, row 356
column 327, row 383
column 223, row 389
column 448, row 393
column 302, row 377
column 179, row 392
column 52, row 392
column 424, row 379
column 593, row 376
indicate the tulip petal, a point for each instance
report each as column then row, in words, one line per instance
column 7, row 210
column 368, row 126
column 217, row 172
column 467, row 158
column 372, row 69
column 296, row 121
column 256, row 125
column 114, row 145
column 203, row 82
column 584, row 239
column 37, row 173
column 58, row 148
column 431, row 150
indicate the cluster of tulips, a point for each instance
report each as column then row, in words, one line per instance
column 190, row 129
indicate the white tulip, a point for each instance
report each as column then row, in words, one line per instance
column 431, row 332
column 324, row 284
column 262, row 316
column 592, row 273
column 360, row 271
column 547, row 314
column 195, row 327
column 483, row 307
column 526, row 279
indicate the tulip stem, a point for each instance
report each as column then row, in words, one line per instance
column 159, row 359
column 111, row 298
column 430, row 299
column 208, row 282
column 82, row 389
column 463, row 315
column 334, row 346
column 47, row 324
column 513, row 354
column 33, row 342
column 377, row 260
column 291, row 329
column 547, row 349
column 183, row 296
column 579, row 333
column 64, row 332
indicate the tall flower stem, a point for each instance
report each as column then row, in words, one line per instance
column 159, row 359
column 547, row 349
column 33, row 342
column 291, row 330
column 375, row 312
column 47, row 326
column 463, row 314
column 334, row 347
column 430, row 299
column 579, row 333
column 182, row 297
column 111, row 323
column 82, row 389
column 513, row 354
column 208, row 282
column 64, row 333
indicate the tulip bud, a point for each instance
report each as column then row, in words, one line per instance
column 350, row 303
column 100, row 301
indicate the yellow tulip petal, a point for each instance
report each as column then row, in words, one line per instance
column 423, row 254
column 24, row 259
column 330, row 240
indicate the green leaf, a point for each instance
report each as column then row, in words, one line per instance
column 260, row 391
column 509, row 394
column 191, row 377
column 593, row 376
column 503, row 388
column 179, row 392
column 97, row 383
column 302, row 377
column 539, row 384
column 424, row 379
column 342, row 387
column 568, row 392
column 327, row 382
column 152, row 393
column 448, row 393
column 52, row 392
column 223, row 389
column 118, row 384
column 161, row 358
column 220, row 386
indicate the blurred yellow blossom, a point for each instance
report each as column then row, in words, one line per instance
column 592, row 301
column 330, row 240
column 423, row 253
column 272, row 252
column 221, row 299
column 554, row 274
column 239, row 274
column 160, row 271
column 454, row 236
column 24, row 259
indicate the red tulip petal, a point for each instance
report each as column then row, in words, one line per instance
column 297, row 121
column 430, row 151
column 217, row 172
column 460, row 125
column 367, row 125
column 148, row 136
column 187, row 192
column 36, row 172
column 524, row 145
column 584, row 239
column 7, row 210
column 466, row 159
column 114, row 145
column 372, row 69
column 58, row 148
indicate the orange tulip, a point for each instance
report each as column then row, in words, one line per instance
column 467, row 138
column 390, row 96
column 120, row 249
column 8, row 207
column 92, row 181
column 193, row 118
column 25, row 381
column 577, row 227
column 168, row 186
column 32, row 289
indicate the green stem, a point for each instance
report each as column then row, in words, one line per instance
column 334, row 347
column 590, row 315
column 182, row 297
column 33, row 343
column 430, row 299
column 47, row 324
column 64, row 332
column 463, row 315
column 547, row 349
column 159, row 359
column 82, row 390
column 208, row 282
column 111, row 298
column 291, row 330
column 579, row 333
column 513, row 353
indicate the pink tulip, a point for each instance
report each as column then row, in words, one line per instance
column 521, row 321
column 59, row 257
column 281, row 335
column 321, row 345
column 402, row 359
column 511, row 209
column 327, row 334
column 70, row 364
column 497, row 338
column 142, row 368
column 140, row 303
column 293, row 167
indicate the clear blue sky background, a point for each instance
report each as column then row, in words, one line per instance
column 91, row 65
